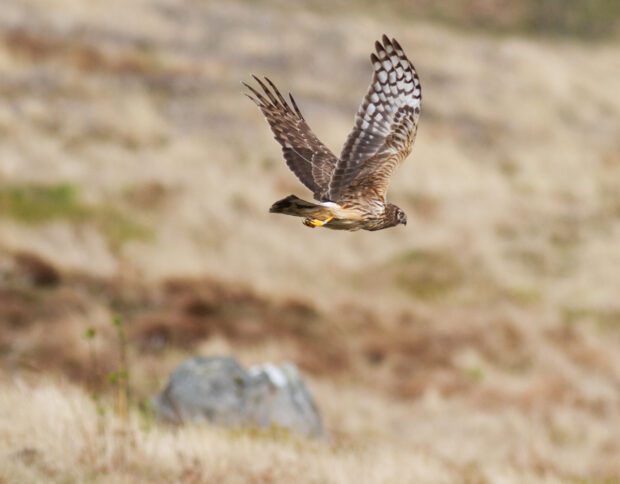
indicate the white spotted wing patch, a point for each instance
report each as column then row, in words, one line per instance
column 386, row 121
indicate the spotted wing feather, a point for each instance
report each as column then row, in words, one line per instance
column 385, row 124
column 305, row 155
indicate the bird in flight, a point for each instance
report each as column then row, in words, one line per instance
column 350, row 189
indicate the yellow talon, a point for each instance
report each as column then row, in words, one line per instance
column 314, row 222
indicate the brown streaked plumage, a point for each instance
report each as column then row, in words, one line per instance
column 351, row 190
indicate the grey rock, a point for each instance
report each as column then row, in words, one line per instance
column 220, row 390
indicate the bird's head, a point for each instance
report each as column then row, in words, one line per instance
column 395, row 215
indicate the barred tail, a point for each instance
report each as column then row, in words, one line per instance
column 297, row 207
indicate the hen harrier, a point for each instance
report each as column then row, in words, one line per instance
column 351, row 190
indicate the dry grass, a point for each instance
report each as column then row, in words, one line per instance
column 51, row 432
column 478, row 343
column 476, row 398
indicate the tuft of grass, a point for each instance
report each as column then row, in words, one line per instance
column 588, row 19
column 428, row 274
column 36, row 204
column 40, row 203
column 118, row 228
column 583, row 19
column 89, row 336
column 523, row 295
column 475, row 374
column 605, row 319
column 120, row 377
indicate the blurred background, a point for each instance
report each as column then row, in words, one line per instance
column 480, row 342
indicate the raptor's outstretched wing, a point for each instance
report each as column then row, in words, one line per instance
column 385, row 124
column 305, row 155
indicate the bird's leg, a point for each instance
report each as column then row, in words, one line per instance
column 315, row 222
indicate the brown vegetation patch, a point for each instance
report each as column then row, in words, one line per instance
column 402, row 358
column 180, row 314
column 36, row 270
column 89, row 57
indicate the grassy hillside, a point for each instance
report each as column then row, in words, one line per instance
column 480, row 342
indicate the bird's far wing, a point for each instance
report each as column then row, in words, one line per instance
column 385, row 123
column 305, row 155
